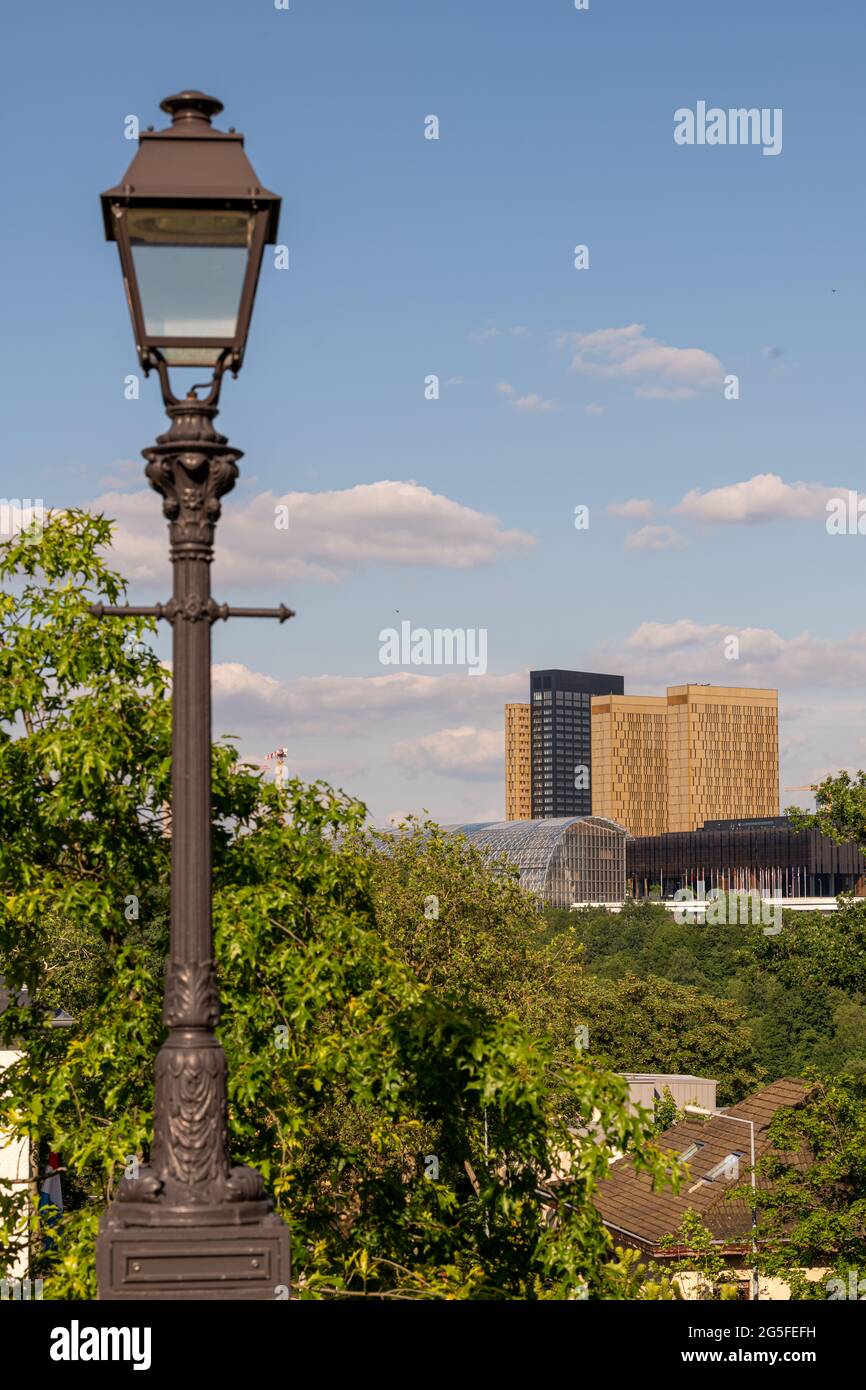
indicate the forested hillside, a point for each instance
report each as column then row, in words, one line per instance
column 803, row 991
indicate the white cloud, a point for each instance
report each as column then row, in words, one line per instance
column 758, row 500
column 231, row 680
column 594, row 409
column 762, row 498
column 634, row 507
column 325, row 703
column 534, row 403
column 655, row 538
column 687, row 651
column 657, row 370
column 465, row 752
column 449, row 758
column 19, row 514
column 817, row 741
column 329, row 535
column 529, row 402
column 663, row 636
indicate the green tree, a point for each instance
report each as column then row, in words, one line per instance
column 840, row 809
column 801, row 992
column 812, row 1202
column 700, row 1257
column 818, row 951
column 350, row 1072
column 468, row 931
column 665, row 1112
column 653, row 1025
column 485, row 941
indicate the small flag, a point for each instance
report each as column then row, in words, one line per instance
column 51, row 1197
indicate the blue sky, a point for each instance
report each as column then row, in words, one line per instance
column 558, row 387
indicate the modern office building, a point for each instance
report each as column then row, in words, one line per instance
column 668, row 763
column 564, row 860
column 630, row 761
column 518, row 763
column 561, row 739
column 765, row 855
column 723, row 754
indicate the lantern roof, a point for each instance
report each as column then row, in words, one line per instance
column 189, row 163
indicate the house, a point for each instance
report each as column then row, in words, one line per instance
column 15, row 1157
column 14, row 1152
column 646, row 1088
column 716, row 1145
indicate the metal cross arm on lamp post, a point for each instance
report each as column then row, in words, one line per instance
column 168, row 611
column 191, row 221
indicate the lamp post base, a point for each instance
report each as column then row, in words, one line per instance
column 235, row 1252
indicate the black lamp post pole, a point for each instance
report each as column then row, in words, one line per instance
column 191, row 467
column 189, row 1225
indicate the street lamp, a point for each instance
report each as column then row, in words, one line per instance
column 738, row 1119
column 191, row 221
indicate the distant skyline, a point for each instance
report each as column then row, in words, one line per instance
column 559, row 389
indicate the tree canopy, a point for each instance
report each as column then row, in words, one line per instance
column 407, row 1115
column 798, row 998
column 420, row 1059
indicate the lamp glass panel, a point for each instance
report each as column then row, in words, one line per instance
column 190, row 265
column 191, row 356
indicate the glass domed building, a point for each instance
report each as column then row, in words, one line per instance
column 564, row 860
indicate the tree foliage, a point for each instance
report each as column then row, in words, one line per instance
column 800, row 995
column 812, row 1204
column 491, row 944
column 360, row 1048
column 840, row 809
column 697, row 1253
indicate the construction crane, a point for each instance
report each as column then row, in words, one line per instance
column 279, row 756
column 805, row 787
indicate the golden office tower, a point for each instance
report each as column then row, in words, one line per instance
column 518, row 769
column 670, row 762
column 630, row 761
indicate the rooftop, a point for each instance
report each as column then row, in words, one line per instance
column 628, row 1205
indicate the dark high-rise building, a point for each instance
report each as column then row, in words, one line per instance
column 561, row 740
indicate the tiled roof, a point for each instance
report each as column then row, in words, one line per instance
column 630, row 1208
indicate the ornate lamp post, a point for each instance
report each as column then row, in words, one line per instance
column 191, row 221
